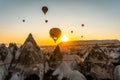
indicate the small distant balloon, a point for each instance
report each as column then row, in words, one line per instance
column 23, row 20
column 82, row 25
column 71, row 31
column 81, row 36
column 44, row 9
column 46, row 21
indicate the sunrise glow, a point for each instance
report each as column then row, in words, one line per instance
column 24, row 19
column 65, row 38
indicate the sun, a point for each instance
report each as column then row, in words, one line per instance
column 65, row 38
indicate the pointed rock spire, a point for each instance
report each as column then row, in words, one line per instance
column 57, row 55
column 29, row 53
column 30, row 39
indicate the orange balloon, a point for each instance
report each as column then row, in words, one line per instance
column 55, row 33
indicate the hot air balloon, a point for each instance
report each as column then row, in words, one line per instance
column 44, row 9
column 81, row 36
column 46, row 21
column 55, row 33
column 71, row 31
column 82, row 25
column 23, row 20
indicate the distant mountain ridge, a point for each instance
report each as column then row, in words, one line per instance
column 91, row 42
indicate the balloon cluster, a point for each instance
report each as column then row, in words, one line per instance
column 45, row 10
column 55, row 33
column 73, row 31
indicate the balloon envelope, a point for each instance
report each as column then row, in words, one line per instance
column 46, row 21
column 81, row 36
column 71, row 31
column 82, row 25
column 44, row 9
column 55, row 33
column 23, row 20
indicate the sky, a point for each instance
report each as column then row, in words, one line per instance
column 101, row 19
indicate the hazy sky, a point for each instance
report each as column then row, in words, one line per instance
column 100, row 17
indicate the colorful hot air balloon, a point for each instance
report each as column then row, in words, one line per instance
column 55, row 33
column 44, row 9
